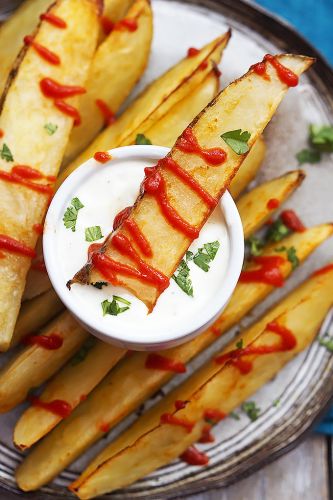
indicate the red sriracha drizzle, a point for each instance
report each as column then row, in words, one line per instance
column 107, row 24
column 58, row 407
column 193, row 456
column 39, row 265
column 179, row 404
column 168, row 418
column 1, row 133
column 121, row 216
column 45, row 53
column 288, row 342
column 38, row 228
column 192, row 52
column 323, row 270
column 139, row 238
column 55, row 90
column 292, row 221
column 214, row 415
column 104, row 427
column 269, row 271
column 128, row 23
column 102, row 156
column 50, row 342
column 108, row 114
column 260, row 69
column 284, row 74
column 188, row 143
column 68, row 110
column 156, row 361
column 15, row 246
column 22, row 174
column 53, row 19
column 273, row 203
column 206, row 435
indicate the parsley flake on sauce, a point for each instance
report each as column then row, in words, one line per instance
column 237, row 140
column 182, row 278
column 51, row 128
column 93, row 233
column 70, row 216
column 255, row 245
column 113, row 308
column 291, row 255
column 206, row 254
column 234, row 415
column 6, row 153
column 308, row 156
column 142, row 140
column 251, row 410
column 277, row 231
column 326, row 341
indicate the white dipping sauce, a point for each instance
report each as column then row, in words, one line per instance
column 104, row 192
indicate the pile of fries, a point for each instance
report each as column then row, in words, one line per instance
column 105, row 50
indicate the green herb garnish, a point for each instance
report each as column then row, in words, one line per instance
column 70, row 216
column 237, row 140
column 255, row 245
column 142, row 140
column 183, row 279
column 321, row 137
column 83, row 351
column 276, row 402
column 113, row 308
column 308, row 156
column 99, row 284
column 51, row 128
column 251, row 410
column 6, row 153
column 239, row 344
column 277, row 231
column 291, row 255
column 93, row 233
column 206, row 254
column 326, row 341
column 234, row 415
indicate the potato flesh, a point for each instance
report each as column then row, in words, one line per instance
column 154, row 102
column 117, row 65
column 134, row 454
column 34, row 365
column 25, row 113
column 246, row 104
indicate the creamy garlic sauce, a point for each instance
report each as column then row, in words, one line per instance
column 110, row 189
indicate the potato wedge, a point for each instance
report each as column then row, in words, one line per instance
column 135, row 454
column 72, row 384
column 155, row 101
column 117, row 65
column 249, row 168
column 247, row 104
column 25, row 112
column 35, row 313
column 34, row 365
column 135, row 383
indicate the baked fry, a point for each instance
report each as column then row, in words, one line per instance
column 25, row 112
column 166, row 198
column 154, row 102
column 220, row 385
column 116, row 67
column 36, row 364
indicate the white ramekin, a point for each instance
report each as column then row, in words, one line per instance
column 186, row 330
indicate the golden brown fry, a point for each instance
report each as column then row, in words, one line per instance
column 249, row 168
column 134, row 383
column 34, row 365
column 116, row 67
column 135, row 454
column 25, row 112
column 154, row 102
column 35, row 313
column 247, row 104
column 72, row 384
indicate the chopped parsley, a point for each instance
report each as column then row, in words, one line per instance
column 237, row 140
column 326, row 341
column 83, row 351
column 142, row 140
column 99, row 284
column 255, row 245
column 182, row 278
column 113, row 308
column 70, row 216
column 277, row 231
column 6, row 153
column 239, row 344
column 234, row 415
column 51, row 128
column 93, row 233
column 308, row 156
column 291, row 255
column 206, row 254
column 321, row 137
column 251, row 410
column 276, row 402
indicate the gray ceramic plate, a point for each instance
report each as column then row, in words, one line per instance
column 304, row 387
